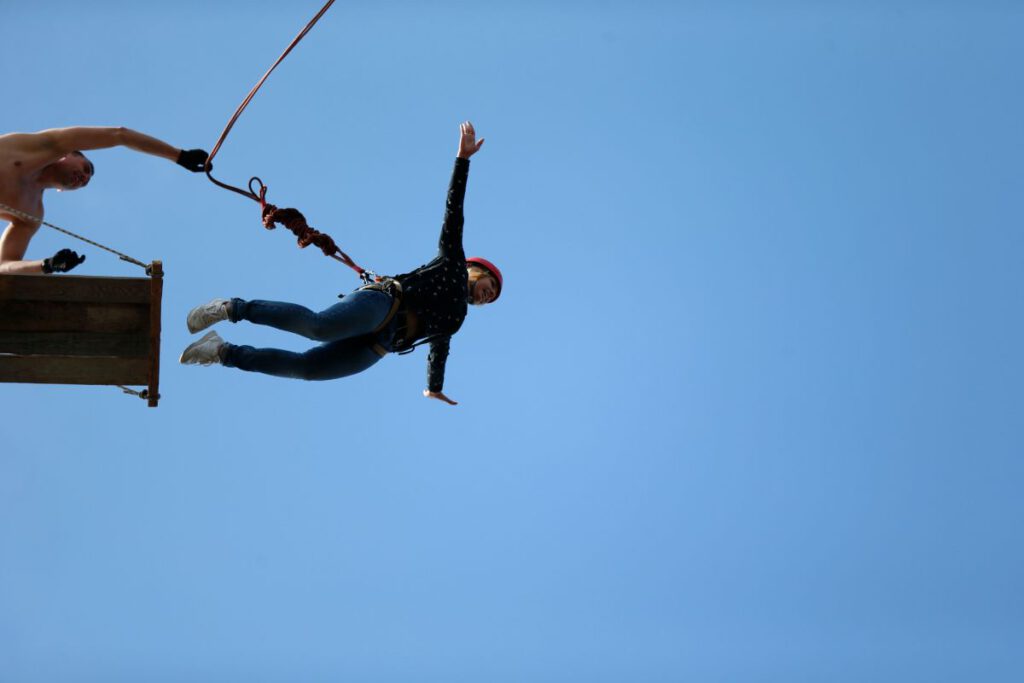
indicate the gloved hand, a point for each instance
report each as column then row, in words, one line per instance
column 63, row 261
column 193, row 159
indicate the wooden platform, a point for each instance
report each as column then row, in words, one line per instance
column 71, row 329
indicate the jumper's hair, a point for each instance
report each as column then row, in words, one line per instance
column 476, row 271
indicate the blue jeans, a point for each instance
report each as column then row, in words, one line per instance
column 346, row 330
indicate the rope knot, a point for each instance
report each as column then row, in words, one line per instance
column 294, row 221
column 268, row 216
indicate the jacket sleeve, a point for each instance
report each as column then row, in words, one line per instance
column 436, row 360
column 450, row 244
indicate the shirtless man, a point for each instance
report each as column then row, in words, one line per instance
column 52, row 159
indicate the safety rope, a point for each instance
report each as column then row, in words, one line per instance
column 37, row 220
column 290, row 218
column 252, row 93
column 306, row 235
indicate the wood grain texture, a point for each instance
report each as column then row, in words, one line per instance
column 74, row 370
column 82, row 330
column 74, row 288
column 74, row 344
column 61, row 316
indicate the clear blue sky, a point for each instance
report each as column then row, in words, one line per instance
column 749, row 409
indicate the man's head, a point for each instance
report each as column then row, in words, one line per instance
column 71, row 171
column 485, row 281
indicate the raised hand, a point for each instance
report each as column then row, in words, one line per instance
column 468, row 144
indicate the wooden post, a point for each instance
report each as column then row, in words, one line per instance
column 156, row 290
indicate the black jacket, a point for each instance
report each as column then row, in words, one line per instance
column 437, row 292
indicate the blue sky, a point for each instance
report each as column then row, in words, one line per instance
column 749, row 408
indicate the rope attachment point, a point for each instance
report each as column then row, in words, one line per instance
column 144, row 394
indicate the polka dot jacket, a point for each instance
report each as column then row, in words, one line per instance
column 437, row 292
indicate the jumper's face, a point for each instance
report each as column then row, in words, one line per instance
column 72, row 171
column 483, row 289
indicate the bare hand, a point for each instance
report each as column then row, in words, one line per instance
column 439, row 396
column 468, row 144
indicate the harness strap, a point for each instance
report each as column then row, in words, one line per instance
column 421, row 342
column 393, row 288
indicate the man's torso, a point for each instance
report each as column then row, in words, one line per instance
column 20, row 188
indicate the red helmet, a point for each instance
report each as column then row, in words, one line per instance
column 489, row 267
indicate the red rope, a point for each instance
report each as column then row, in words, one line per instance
column 306, row 235
column 248, row 99
column 290, row 218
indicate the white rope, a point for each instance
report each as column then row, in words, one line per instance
column 34, row 219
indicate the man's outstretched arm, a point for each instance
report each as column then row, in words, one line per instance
column 61, row 141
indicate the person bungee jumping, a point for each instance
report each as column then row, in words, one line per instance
column 31, row 163
column 396, row 314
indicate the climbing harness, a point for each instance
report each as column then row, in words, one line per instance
column 391, row 287
column 292, row 219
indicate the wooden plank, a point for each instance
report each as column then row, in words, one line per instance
column 74, row 288
column 82, row 330
column 156, row 291
column 124, row 345
column 50, row 316
column 72, row 370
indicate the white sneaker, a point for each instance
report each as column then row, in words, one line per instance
column 201, row 317
column 206, row 351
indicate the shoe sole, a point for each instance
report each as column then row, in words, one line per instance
column 195, row 315
column 191, row 347
column 197, row 328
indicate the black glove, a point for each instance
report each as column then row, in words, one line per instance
column 193, row 159
column 63, row 261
